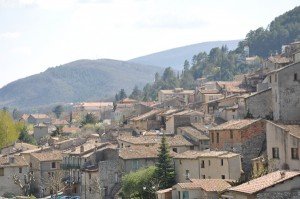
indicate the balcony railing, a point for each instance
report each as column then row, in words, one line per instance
column 70, row 166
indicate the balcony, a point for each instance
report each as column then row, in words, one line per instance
column 70, row 166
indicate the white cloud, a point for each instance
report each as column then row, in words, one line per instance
column 10, row 35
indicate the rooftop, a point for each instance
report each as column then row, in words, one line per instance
column 176, row 140
column 48, row 156
column 17, row 161
column 293, row 129
column 235, row 124
column 208, row 185
column 264, row 182
column 207, row 153
column 39, row 116
column 146, row 115
column 194, row 132
column 177, row 91
column 279, row 59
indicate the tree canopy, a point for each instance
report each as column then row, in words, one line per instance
column 8, row 129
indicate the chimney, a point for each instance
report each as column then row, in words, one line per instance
column 81, row 149
column 11, row 159
column 282, row 174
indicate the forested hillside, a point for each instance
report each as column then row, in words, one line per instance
column 282, row 30
column 80, row 80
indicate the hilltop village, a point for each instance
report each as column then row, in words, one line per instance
column 224, row 139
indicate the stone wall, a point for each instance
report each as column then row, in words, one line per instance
column 260, row 104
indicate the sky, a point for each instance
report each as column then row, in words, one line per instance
column 37, row 34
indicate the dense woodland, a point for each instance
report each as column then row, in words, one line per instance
column 282, row 30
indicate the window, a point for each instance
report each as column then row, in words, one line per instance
column 180, row 162
column 295, row 154
column 295, row 77
column 53, row 165
column 231, row 135
column 270, row 79
column 275, row 78
column 185, row 195
column 222, row 162
column 223, row 176
column 90, row 176
column 232, row 116
column 203, row 176
column 212, row 137
column 90, row 189
column 179, row 196
column 135, row 164
column 20, row 170
column 217, row 137
column 1, row 171
column 187, row 174
column 202, row 164
column 275, row 152
column 208, row 162
column 175, row 150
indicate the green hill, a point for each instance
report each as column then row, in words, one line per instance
column 81, row 80
column 284, row 29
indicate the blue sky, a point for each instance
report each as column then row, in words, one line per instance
column 37, row 34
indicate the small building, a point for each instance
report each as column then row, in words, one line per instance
column 176, row 143
column 283, row 146
column 38, row 118
column 17, row 147
column 200, row 139
column 278, row 184
column 245, row 136
column 207, row 165
column 46, row 169
column 40, row 131
column 147, row 121
column 11, row 166
column 186, row 95
column 200, row 188
column 164, row 194
column 182, row 118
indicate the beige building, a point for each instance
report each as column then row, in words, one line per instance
column 10, row 166
column 47, row 172
column 207, row 165
column 200, row 188
column 40, row 131
column 285, row 83
column 147, row 121
column 279, row 184
column 186, row 95
column 17, row 148
column 182, row 118
column 199, row 138
column 176, row 143
column 283, row 146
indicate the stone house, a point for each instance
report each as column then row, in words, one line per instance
column 207, row 165
column 258, row 104
column 285, row 84
column 122, row 112
column 199, row 138
column 164, row 194
column 200, row 188
column 187, row 95
column 182, row 118
column 10, row 166
column 17, row 147
column 246, row 137
column 278, row 184
column 75, row 160
column 176, row 143
column 283, row 146
column 46, row 170
column 40, row 131
column 38, row 118
column 147, row 121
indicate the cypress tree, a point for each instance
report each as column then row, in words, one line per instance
column 165, row 171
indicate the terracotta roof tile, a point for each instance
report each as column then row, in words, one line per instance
column 194, row 133
column 235, row 124
column 200, row 154
column 208, row 185
column 18, row 161
column 266, row 181
column 48, row 156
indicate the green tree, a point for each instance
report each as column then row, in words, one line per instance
column 58, row 131
column 122, row 94
column 164, row 167
column 89, row 118
column 136, row 93
column 137, row 184
column 16, row 114
column 8, row 129
column 58, row 110
column 25, row 137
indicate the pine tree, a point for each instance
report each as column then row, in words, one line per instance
column 165, row 171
